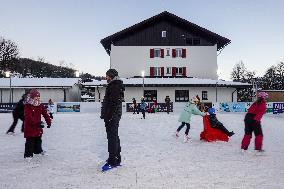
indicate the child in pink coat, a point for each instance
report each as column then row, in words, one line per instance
column 253, row 122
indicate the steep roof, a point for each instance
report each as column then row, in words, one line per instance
column 219, row 40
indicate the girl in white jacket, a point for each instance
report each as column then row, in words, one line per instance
column 50, row 108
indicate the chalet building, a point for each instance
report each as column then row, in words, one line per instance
column 178, row 58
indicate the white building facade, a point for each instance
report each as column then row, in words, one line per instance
column 178, row 59
column 190, row 61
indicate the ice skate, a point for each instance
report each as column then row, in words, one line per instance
column 28, row 159
column 243, row 151
column 10, row 133
column 176, row 135
column 43, row 153
column 186, row 138
column 259, row 152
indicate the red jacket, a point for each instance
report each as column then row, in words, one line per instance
column 258, row 109
column 33, row 119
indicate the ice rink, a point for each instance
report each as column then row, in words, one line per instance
column 151, row 157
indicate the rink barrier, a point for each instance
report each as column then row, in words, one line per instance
column 95, row 107
column 272, row 107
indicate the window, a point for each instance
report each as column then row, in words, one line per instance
column 181, row 95
column 178, row 52
column 168, row 70
column 196, row 41
column 149, row 95
column 157, row 52
column 204, row 95
column 157, row 71
column 179, row 71
column 168, row 52
column 188, row 41
column 164, row 33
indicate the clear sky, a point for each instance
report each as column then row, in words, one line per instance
column 71, row 30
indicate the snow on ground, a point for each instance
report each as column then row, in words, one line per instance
column 151, row 156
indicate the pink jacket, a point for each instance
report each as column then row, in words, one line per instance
column 258, row 109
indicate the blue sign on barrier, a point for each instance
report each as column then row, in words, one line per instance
column 233, row 107
column 68, row 107
column 278, row 108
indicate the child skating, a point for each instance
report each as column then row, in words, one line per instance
column 143, row 107
column 253, row 123
column 185, row 117
column 32, row 124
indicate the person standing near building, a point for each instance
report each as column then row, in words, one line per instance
column 253, row 122
column 155, row 105
column 135, row 106
column 50, row 108
column 168, row 102
column 32, row 124
column 18, row 113
column 111, row 113
column 143, row 107
column 185, row 117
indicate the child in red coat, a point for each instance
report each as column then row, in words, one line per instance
column 252, row 122
column 32, row 124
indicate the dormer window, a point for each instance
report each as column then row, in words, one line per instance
column 164, row 33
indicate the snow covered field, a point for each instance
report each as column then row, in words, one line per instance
column 151, row 156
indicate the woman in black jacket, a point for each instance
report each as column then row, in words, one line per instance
column 18, row 113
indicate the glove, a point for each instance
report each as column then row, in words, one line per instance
column 48, row 126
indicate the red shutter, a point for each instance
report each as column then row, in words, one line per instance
column 173, row 71
column 184, row 71
column 162, row 53
column 162, row 71
column 183, row 55
column 173, row 53
column 151, row 53
column 151, row 71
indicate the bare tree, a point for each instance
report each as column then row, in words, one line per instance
column 8, row 50
column 239, row 72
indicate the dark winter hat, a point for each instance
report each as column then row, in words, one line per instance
column 34, row 93
column 112, row 73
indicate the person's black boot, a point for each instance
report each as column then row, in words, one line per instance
column 231, row 133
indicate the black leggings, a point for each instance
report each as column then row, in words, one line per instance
column 182, row 125
column 33, row 146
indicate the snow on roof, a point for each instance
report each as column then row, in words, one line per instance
column 170, row 81
column 38, row 82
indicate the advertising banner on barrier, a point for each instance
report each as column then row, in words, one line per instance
column 233, row 107
column 68, row 107
column 278, row 108
column 239, row 106
column 7, row 107
column 161, row 107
